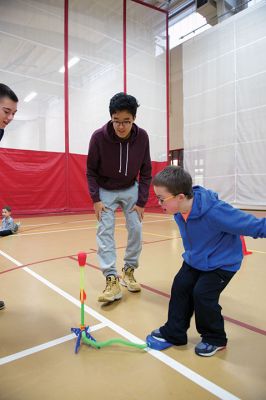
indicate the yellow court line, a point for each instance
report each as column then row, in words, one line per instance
column 116, row 227
column 157, row 234
column 90, row 220
column 76, row 229
column 257, row 251
column 152, row 234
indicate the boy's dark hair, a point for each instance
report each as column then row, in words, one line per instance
column 175, row 179
column 5, row 91
column 123, row 102
column 7, row 208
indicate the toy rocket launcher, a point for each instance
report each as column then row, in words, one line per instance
column 82, row 332
column 82, row 294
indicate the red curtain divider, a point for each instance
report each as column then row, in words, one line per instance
column 33, row 182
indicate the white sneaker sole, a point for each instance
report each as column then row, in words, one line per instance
column 118, row 296
column 123, row 283
column 212, row 353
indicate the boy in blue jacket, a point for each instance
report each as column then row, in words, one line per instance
column 210, row 230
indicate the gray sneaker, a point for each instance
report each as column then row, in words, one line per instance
column 157, row 335
column 206, row 349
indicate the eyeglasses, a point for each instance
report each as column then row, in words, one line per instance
column 162, row 201
column 124, row 123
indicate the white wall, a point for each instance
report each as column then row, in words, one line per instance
column 31, row 48
column 224, row 71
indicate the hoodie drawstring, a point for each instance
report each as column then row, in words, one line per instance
column 120, row 157
column 127, row 160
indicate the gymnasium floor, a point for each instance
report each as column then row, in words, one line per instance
column 39, row 282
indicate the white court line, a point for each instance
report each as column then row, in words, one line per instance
column 180, row 368
column 44, row 346
column 80, row 228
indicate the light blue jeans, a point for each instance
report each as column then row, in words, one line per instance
column 112, row 199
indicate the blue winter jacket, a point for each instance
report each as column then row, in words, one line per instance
column 211, row 234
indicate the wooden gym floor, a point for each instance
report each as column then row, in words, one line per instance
column 39, row 282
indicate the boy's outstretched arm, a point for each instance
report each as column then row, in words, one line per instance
column 232, row 220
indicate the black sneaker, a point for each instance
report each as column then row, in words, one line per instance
column 2, row 305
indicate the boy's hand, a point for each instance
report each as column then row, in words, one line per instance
column 139, row 210
column 99, row 207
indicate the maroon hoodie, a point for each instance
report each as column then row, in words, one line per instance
column 114, row 163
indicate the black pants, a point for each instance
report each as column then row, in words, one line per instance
column 6, row 232
column 199, row 292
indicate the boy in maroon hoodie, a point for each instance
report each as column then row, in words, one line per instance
column 119, row 174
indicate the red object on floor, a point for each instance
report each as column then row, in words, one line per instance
column 244, row 247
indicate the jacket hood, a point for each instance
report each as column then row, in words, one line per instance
column 208, row 245
column 202, row 202
column 111, row 136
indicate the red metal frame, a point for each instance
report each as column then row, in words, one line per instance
column 167, row 92
column 125, row 44
column 150, row 6
column 66, row 98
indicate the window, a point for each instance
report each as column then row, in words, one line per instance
column 186, row 28
column 177, row 157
